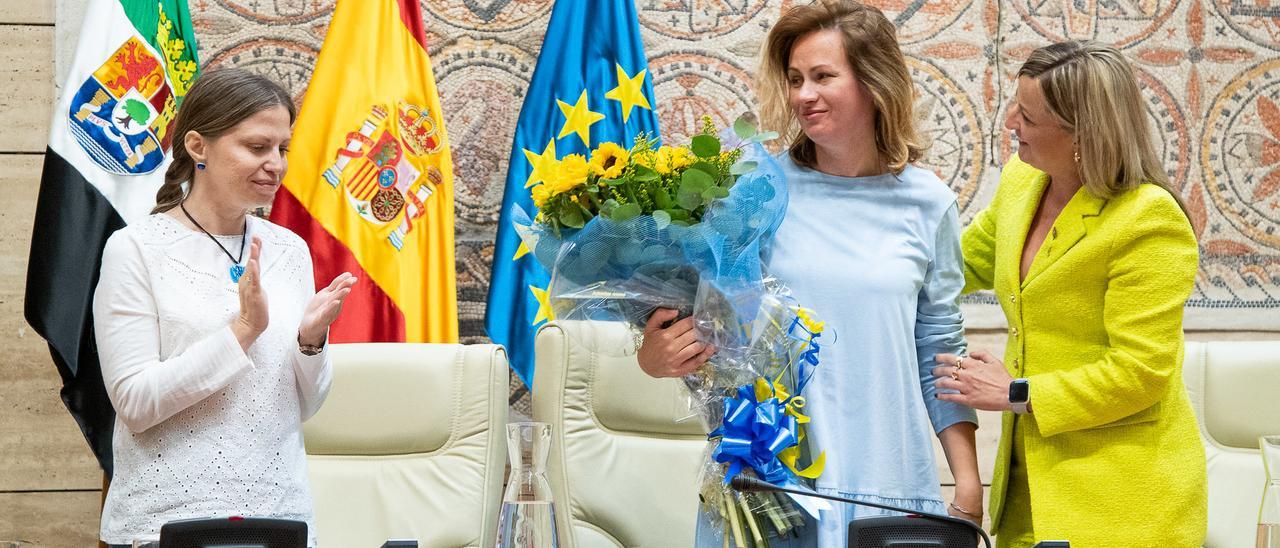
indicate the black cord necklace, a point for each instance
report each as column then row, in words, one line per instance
column 236, row 269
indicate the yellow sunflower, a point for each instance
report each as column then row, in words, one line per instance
column 609, row 160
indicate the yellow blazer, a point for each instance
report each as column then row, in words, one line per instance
column 1112, row 448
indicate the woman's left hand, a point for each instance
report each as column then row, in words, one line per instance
column 323, row 310
column 979, row 381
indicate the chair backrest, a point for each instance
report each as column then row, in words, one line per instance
column 623, row 470
column 1235, row 390
column 411, row 443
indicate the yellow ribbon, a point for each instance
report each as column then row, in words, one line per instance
column 789, row 456
column 766, row 389
column 812, row 324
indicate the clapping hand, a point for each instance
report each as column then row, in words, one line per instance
column 324, row 309
column 253, row 318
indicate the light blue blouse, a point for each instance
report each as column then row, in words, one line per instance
column 878, row 258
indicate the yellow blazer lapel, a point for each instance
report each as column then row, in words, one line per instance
column 1068, row 229
column 1023, row 213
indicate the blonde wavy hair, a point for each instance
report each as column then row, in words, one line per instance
column 1091, row 89
column 871, row 46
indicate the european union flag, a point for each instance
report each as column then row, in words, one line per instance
column 592, row 85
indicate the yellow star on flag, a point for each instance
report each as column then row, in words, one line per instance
column 578, row 119
column 630, row 92
column 521, row 251
column 544, row 165
column 544, row 305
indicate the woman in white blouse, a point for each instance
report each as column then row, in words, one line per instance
column 210, row 333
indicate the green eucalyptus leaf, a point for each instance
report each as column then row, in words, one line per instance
column 695, row 181
column 714, row 193
column 661, row 219
column 705, row 146
column 677, row 214
column 743, row 128
column 644, row 174
column 707, row 167
column 762, row 137
column 626, row 212
column 689, row 200
column 606, row 209
column 743, row 168
column 572, row 218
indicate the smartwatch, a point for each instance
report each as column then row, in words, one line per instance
column 1019, row 395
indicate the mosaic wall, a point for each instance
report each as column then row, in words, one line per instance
column 1210, row 70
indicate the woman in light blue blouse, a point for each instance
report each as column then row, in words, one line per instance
column 872, row 243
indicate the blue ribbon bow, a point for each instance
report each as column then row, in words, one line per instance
column 752, row 435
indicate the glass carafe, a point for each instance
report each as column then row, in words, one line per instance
column 1269, row 514
column 528, row 515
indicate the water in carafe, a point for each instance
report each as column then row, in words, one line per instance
column 528, row 515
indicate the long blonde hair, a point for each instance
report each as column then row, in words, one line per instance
column 217, row 101
column 871, row 46
column 1091, row 89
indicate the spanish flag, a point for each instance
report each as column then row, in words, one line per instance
column 370, row 180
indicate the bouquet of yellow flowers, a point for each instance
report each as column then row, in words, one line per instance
column 628, row 230
column 632, row 229
column 673, row 184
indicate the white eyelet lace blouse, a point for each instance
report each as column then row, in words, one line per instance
column 202, row 429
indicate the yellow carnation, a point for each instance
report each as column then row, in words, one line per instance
column 572, row 173
column 540, row 195
column 609, row 160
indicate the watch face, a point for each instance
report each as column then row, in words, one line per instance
column 1019, row 391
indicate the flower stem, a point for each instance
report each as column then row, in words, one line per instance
column 751, row 520
column 734, row 523
column 771, row 509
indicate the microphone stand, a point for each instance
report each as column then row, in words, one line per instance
column 745, row 484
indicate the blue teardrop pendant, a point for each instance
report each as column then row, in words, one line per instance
column 236, row 272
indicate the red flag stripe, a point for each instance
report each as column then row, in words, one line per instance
column 411, row 14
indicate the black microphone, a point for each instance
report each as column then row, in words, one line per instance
column 746, row 484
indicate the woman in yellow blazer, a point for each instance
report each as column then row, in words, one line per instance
column 1092, row 258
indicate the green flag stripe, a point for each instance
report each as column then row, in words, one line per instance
column 166, row 25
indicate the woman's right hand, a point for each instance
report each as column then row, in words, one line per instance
column 672, row 351
column 252, row 320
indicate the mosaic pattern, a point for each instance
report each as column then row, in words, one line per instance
column 1209, row 70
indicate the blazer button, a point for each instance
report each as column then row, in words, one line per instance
column 1013, row 297
column 1013, row 332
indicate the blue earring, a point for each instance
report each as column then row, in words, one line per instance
column 200, row 165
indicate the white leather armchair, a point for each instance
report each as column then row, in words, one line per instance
column 1235, row 390
column 623, row 471
column 411, row 443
